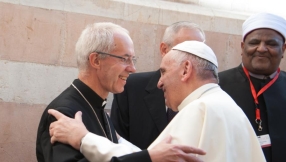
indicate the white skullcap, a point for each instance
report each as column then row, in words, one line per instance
column 264, row 20
column 199, row 49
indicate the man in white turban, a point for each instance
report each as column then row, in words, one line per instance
column 208, row 118
column 258, row 86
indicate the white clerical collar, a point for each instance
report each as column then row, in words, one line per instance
column 258, row 76
column 104, row 103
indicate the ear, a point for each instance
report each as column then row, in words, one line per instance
column 164, row 49
column 187, row 70
column 94, row 61
column 242, row 47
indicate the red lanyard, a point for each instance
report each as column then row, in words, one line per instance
column 255, row 95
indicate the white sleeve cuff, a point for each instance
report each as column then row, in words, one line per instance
column 127, row 143
column 98, row 148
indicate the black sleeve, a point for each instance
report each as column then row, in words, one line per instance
column 58, row 152
column 142, row 156
column 120, row 114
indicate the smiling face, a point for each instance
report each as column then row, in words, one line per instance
column 262, row 51
column 113, row 72
column 170, row 81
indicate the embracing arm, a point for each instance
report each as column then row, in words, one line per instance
column 97, row 148
column 93, row 147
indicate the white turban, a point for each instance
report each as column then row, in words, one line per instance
column 199, row 49
column 264, row 20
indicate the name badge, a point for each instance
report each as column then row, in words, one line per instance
column 264, row 140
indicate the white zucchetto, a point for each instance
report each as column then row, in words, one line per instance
column 199, row 49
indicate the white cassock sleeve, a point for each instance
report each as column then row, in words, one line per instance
column 97, row 148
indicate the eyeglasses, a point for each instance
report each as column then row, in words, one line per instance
column 126, row 60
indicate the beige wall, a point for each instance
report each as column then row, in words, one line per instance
column 37, row 39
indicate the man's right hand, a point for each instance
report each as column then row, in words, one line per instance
column 167, row 152
column 67, row 130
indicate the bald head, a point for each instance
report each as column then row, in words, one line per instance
column 180, row 32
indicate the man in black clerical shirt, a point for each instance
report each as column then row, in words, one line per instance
column 105, row 58
column 258, row 86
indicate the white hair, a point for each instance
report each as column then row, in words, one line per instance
column 96, row 37
column 204, row 68
column 173, row 29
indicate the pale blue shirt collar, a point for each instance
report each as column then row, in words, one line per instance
column 258, row 76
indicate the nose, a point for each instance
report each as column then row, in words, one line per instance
column 262, row 47
column 131, row 68
column 160, row 84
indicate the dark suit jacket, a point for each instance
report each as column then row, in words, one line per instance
column 139, row 113
column 236, row 84
column 69, row 102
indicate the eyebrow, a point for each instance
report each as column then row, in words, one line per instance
column 128, row 55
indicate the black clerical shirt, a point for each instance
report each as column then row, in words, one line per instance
column 69, row 102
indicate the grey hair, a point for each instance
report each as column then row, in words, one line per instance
column 173, row 29
column 204, row 69
column 96, row 37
